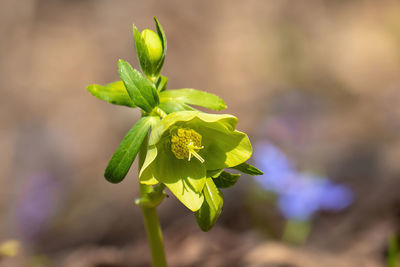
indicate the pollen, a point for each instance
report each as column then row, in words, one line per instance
column 185, row 143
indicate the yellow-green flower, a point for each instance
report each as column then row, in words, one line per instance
column 185, row 145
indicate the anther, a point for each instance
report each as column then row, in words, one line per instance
column 186, row 143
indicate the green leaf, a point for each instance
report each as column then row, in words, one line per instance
column 162, row 83
column 170, row 106
column 214, row 173
column 248, row 169
column 193, row 97
column 226, row 180
column 114, row 93
column 161, row 33
column 140, row 89
column 125, row 154
column 141, row 51
column 209, row 212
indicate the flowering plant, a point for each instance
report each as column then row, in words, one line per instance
column 187, row 150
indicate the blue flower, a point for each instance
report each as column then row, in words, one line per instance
column 278, row 171
column 300, row 195
column 36, row 204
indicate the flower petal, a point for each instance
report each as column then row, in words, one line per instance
column 227, row 120
column 146, row 175
column 184, row 178
column 184, row 192
column 223, row 147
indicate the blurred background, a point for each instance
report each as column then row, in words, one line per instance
column 316, row 86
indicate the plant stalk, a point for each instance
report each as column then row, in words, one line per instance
column 151, row 221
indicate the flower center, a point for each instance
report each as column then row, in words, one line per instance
column 185, row 143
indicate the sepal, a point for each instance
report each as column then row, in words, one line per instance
column 226, row 179
column 247, row 169
column 209, row 212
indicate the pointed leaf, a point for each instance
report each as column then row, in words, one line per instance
column 125, row 154
column 193, row 97
column 248, row 169
column 226, row 180
column 141, row 50
column 214, row 173
column 209, row 212
column 140, row 89
column 162, row 83
column 161, row 33
column 114, row 93
column 170, row 106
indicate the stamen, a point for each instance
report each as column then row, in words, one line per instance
column 197, row 156
column 185, row 143
column 191, row 148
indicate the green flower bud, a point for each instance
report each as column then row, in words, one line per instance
column 151, row 48
column 153, row 44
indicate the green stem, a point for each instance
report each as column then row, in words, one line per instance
column 393, row 251
column 151, row 222
column 296, row 232
column 154, row 234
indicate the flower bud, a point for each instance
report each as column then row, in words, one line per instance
column 153, row 44
column 151, row 48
